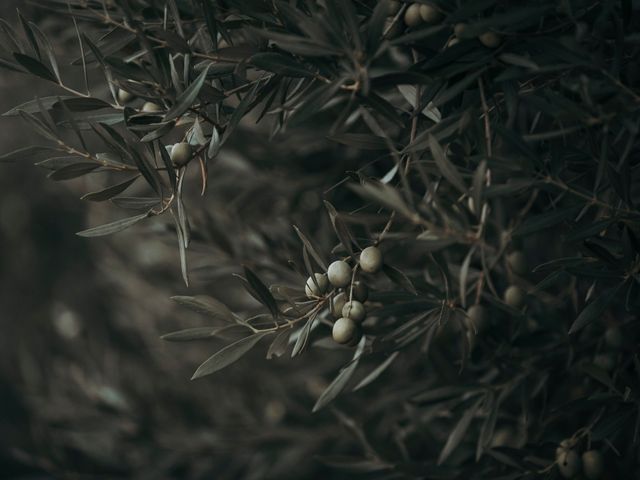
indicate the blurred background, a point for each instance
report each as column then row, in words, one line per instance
column 89, row 389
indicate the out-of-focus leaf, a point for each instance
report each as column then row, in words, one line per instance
column 280, row 64
column 535, row 223
column 109, row 192
column 399, row 278
column 376, row 372
column 73, row 171
column 459, row 431
column 595, row 309
column 228, row 355
column 113, row 227
column 340, row 382
column 206, row 305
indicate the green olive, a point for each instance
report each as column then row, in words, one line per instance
column 514, row 296
column 568, row 463
column 360, row 291
column 344, row 330
column 564, row 446
column 371, row 260
column 318, row 287
column 477, row 318
column 337, row 303
column 518, row 263
column 412, row 17
column 459, row 28
column 490, row 39
column 339, row 274
column 181, row 153
column 150, row 107
column 124, row 96
column 430, row 14
column 354, row 310
column 592, row 464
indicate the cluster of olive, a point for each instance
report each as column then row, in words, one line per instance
column 418, row 13
column 347, row 306
column 125, row 97
column 181, row 153
column 570, row 462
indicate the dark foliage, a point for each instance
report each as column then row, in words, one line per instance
column 487, row 148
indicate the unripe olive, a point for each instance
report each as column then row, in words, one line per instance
column 124, row 96
column 490, row 39
column 339, row 274
column 459, row 28
column 518, row 263
column 605, row 361
column 360, row 291
column 337, row 303
column 317, row 288
column 343, row 330
column 592, row 464
column 568, row 464
column 430, row 14
column 477, row 317
column 150, row 107
column 181, row 153
column 412, row 16
column 514, row 296
column 353, row 310
column 565, row 445
column 394, row 6
column 613, row 337
column 371, row 259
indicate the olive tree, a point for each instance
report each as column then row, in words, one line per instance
column 441, row 193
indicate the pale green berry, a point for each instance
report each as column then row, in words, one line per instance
column 477, row 318
column 568, row 464
column 339, row 273
column 430, row 14
column 412, row 16
column 518, row 263
column 490, row 39
column 360, row 291
column 565, row 445
column 371, row 260
column 514, row 296
column 150, row 107
column 337, row 303
column 459, row 28
column 181, row 153
column 354, row 310
column 343, row 330
column 317, row 288
column 124, row 96
column 592, row 464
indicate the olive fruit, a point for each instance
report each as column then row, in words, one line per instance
column 477, row 317
column 360, row 291
column 317, row 287
column 613, row 338
column 371, row 259
column 518, row 263
column 412, row 17
column 181, row 153
column 339, row 274
column 459, row 28
column 344, row 330
column 592, row 464
column 568, row 463
column 150, row 107
column 337, row 303
column 430, row 14
column 514, row 296
column 565, row 445
column 124, row 96
column 353, row 310
column 490, row 39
